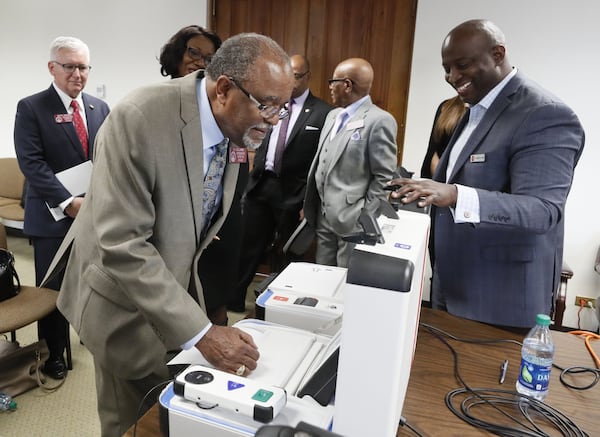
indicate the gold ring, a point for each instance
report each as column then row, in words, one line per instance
column 241, row 370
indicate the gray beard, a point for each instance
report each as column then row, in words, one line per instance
column 251, row 145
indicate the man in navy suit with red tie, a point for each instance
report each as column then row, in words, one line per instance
column 54, row 131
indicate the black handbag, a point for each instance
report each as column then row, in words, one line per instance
column 8, row 275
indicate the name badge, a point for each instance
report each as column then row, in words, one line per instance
column 355, row 124
column 63, row 118
column 477, row 158
column 238, row 155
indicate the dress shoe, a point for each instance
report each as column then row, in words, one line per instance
column 55, row 368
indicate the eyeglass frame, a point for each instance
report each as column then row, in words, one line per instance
column 341, row 79
column 206, row 58
column 299, row 76
column 282, row 112
column 83, row 68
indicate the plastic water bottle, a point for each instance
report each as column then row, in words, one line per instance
column 7, row 403
column 536, row 360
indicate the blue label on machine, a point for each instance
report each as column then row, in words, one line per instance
column 402, row 246
column 264, row 297
column 232, row 385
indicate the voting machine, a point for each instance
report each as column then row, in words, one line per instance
column 366, row 364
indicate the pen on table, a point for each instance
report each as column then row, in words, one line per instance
column 503, row 369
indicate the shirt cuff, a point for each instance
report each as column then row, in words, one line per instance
column 467, row 205
column 64, row 204
column 192, row 342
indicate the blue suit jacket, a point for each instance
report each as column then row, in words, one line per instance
column 506, row 269
column 45, row 147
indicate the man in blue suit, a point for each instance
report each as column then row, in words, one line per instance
column 51, row 136
column 500, row 189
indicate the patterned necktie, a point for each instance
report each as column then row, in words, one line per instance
column 212, row 182
column 79, row 127
column 280, row 147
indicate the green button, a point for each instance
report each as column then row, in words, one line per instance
column 262, row 395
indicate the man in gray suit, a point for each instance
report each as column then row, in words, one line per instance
column 131, row 287
column 500, row 189
column 355, row 158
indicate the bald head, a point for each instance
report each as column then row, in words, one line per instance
column 301, row 69
column 359, row 79
column 489, row 34
column 474, row 59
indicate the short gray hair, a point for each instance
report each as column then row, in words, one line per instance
column 69, row 43
column 239, row 53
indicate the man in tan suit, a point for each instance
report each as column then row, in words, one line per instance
column 131, row 287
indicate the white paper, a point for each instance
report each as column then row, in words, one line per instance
column 281, row 352
column 76, row 180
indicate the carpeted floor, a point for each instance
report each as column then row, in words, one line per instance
column 71, row 410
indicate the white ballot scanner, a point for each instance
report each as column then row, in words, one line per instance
column 305, row 295
column 366, row 364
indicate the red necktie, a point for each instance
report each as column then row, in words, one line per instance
column 79, row 127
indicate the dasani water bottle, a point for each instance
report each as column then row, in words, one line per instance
column 536, row 360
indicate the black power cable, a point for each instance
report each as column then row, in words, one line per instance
column 491, row 403
column 141, row 405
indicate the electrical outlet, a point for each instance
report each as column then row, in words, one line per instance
column 591, row 300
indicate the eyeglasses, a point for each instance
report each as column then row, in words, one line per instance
column 264, row 110
column 343, row 79
column 197, row 55
column 70, row 68
column 298, row 76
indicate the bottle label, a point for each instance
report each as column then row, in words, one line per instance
column 534, row 376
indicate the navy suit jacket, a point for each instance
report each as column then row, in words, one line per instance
column 45, row 147
column 298, row 154
column 520, row 159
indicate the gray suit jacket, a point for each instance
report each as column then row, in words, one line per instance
column 131, row 287
column 520, row 159
column 364, row 159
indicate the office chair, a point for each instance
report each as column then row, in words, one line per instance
column 30, row 305
column 559, row 304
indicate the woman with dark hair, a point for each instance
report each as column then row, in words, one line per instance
column 190, row 49
column 445, row 121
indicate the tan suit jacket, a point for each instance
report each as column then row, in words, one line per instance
column 131, row 288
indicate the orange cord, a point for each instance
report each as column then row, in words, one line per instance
column 587, row 336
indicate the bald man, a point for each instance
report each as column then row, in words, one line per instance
column 275, row 190
column 500, row 188
column 356, row 156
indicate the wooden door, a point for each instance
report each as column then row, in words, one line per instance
column 329, row 31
